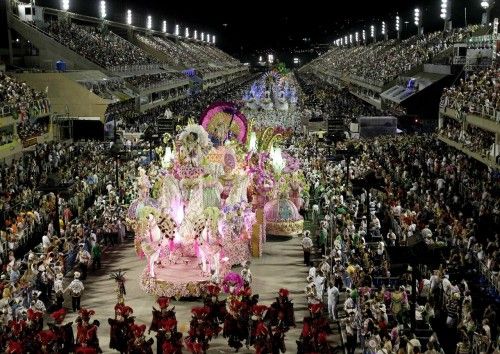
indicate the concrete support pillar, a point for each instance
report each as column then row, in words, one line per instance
column 258, row 231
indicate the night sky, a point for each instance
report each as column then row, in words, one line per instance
column 247, row 29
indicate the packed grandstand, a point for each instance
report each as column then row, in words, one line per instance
column 272, row 210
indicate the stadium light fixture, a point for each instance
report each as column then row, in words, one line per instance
column 213, row 39
column 102, row 9
column 295, row 61
column 372, row 31
column 149, row 22
column 164, row 26
column 203, row 36
column 65, row 5
column 350, row 39
column 270, row 58
column 444, row 9
column 416, row 17
column 485, row 4
column 383, row 28
column 129, row 17
column 398, row 23
column 195, row 36
column 363, row 35
column 345, row 41
column 356, row 37
column 208, row 38
column 186, row 32
column 177, row 30
column 260, row 59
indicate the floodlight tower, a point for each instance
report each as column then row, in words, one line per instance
column 383, row 31
column 149, row 23
column 363, row 36
column 129, row 17
column 372, row 33
column 398, row 26
column 445, row 13
column 102, row 10
column 164, row 26
column 418, row 21
column 65, row 5
column 487, row 5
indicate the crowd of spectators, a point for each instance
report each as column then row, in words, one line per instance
column 6, row 137
column 471, row 137
column 429, row 190
column 22, row 100
column 189, row 54
column 478, row 93
column 98, row 45
column 383, row 62
column 33, row 279
column 323, row 102
column 421, row 189
column 104, row 88
column 30, row 129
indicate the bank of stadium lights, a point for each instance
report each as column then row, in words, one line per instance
column 65, row 5
column 382, row 30
column 416, row 17
column 213, row 39
column 186, row 32
column 149, row 23
column 363, row 35
column 356, row 37
column 202, row 36
column 208, row 38
column 372, row 31
column 398, row 24
column 444, row 9
column 345, row 40
column 485, row 4
column 270, row 58
column 195, row 35
column 350, row 39
column 102, row 9
column 129, row 17
column 164, row 26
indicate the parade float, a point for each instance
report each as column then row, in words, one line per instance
column 200, row 223
column 273, row 91
column 282, row 210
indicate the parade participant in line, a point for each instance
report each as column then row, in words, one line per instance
column 281, row 310
column 76, row 289
column 307, row 245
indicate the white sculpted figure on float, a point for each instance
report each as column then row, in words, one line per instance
column 153, row 244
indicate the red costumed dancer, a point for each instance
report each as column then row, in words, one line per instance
column 162, row 315
column 120, row 331
column 200, row 330
column 86, row 333
column 171, row 339
column 64, row 332
column 138, row 344
column 314, row 332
